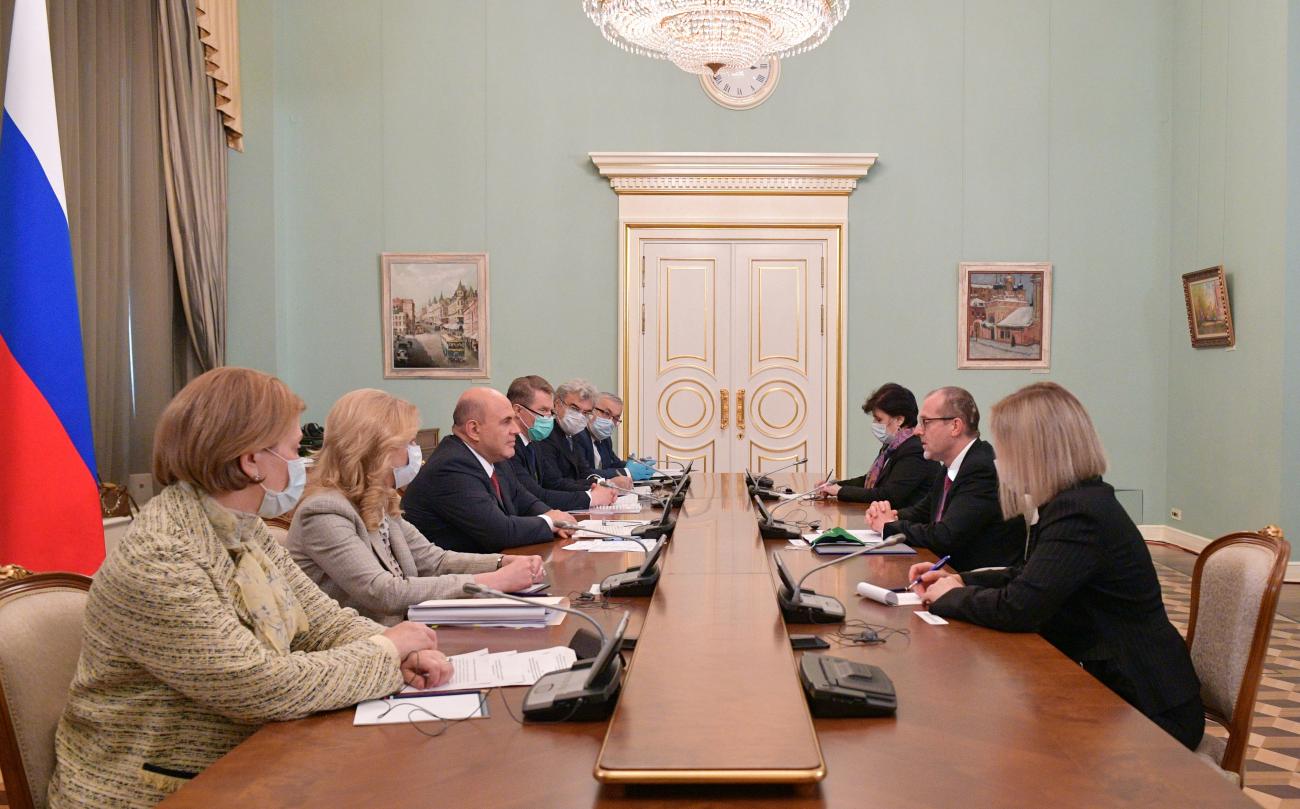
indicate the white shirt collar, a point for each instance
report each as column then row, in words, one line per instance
column 523, row 436
column 956, row 462
column 488, row 469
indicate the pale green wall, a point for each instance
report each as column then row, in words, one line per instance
column 1225, row 433
column 1291, row 363
column 1007, row 130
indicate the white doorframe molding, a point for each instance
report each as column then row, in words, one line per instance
column 732, row 190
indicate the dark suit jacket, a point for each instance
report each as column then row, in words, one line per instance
column 527, row 467
column 904, row 480
column 605, row 461
column 1090, row 589
column 972, row 530
column 454, row 505
column 565, row 462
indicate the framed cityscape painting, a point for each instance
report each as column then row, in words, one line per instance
column 435, row 315
column 1004, row 315
column 1209, row 316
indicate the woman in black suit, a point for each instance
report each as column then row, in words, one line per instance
column 900, row 474
column 1087, row 585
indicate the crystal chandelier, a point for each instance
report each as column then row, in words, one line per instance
column 716, row 36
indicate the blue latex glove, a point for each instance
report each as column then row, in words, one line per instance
column 640, row 471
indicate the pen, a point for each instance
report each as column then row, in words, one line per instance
column 933, row 568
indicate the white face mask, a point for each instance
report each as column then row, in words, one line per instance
column 602, row 427
column 573, row 422
column 403, row 475
column 878, row 430
column 276, row 503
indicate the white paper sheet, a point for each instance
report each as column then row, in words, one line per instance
column 625, row 504
column 484, row 669
column 419, row 709
column 620, row 527
column 608, row 546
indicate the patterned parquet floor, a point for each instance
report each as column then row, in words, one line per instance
column 1273, row 755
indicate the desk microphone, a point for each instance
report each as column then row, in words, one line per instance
column 806, row 606
column 644, row 498
column 638, row 580
column 573, row 526
column 589, row 689
column 765, row 482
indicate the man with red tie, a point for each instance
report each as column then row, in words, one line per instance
column 466, row 497
column 960, row 516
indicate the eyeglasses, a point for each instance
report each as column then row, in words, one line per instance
column 609, row 414
column 925, row 422
column 577, row 409
column 536, row 413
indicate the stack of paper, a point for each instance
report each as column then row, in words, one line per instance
column 625, row 504
column 484, row 669
column 608, row 545
column 445, row 707
column 589, row 528
column 486, row 612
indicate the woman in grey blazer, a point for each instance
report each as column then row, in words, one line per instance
column 348, row 535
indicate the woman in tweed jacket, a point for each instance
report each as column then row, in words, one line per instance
column 348, row 535
column 199, row 627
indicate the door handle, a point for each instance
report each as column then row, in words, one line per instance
column 740, row 413
column 724, row 406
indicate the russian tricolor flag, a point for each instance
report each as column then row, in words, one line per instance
column 49, row 503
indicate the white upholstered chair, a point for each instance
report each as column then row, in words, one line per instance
column 40, row 621
column 1235, row 587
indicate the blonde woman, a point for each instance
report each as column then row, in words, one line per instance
column 1087, row 584
column 199, row 627
column 348, row 535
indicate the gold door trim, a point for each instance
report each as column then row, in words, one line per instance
column 631, row 294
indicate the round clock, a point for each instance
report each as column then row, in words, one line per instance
column 746, row 89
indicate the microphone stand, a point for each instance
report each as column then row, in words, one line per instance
column 819, row 609
column 582, row 692
column 765, row 482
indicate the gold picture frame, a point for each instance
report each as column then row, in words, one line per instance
column 1209, row 311
column 434, row 315
column 1004, row 315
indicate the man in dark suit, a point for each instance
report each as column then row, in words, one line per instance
column 466, row 498
column 532, row 399
column 566, row 461
column 961, row 516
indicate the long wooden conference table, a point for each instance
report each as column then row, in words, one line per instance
column 712, row 712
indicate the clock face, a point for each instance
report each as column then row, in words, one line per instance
column 746, row 89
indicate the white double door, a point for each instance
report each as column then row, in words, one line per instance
column 733, row 353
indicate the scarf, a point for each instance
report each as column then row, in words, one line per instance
column 885, row 452
column 263, row 590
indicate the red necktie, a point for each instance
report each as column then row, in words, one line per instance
column 943, row 501
column 496, row 484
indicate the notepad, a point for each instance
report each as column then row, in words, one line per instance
column 607, row 546
column 620, row 527
column 625, row 504
column 886, row 596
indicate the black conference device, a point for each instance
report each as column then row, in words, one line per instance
column 837, row 687
column 769, row 528
column 806, row 606
column 588, row 690
column 666, row 524
column 636, row 581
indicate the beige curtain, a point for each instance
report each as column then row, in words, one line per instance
column 194, row 171
column 218, row 22
column 105, row 57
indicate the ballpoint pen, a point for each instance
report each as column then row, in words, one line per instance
column 933, row 568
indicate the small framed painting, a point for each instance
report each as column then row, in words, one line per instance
column 1004, row 315
column 1209, row 315
column 435, row 315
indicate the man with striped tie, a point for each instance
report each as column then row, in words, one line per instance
column 960, row 516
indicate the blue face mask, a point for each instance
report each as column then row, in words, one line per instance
column 602, row 427
column 403, row 475
column 542, row 426
column 276, row 503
